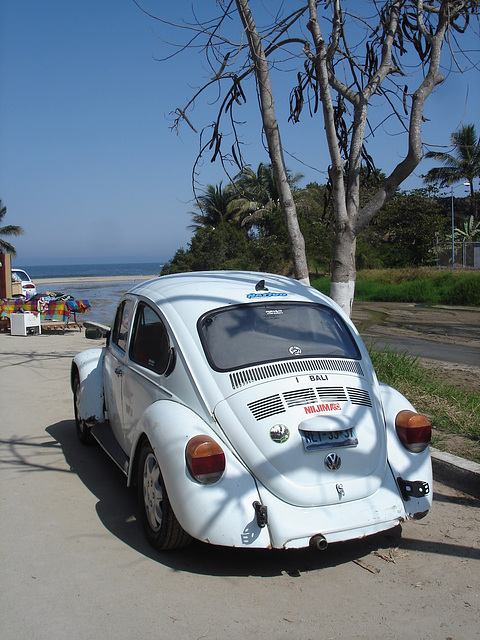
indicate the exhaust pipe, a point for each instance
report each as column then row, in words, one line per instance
column 319, row 542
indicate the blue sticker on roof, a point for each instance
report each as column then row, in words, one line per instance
column 266, row 294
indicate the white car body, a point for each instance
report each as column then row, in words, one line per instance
column 28, row 288
column 273, row 492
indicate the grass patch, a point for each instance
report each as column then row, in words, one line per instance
column 321, row 284
column 424, row 285
column 450, row 409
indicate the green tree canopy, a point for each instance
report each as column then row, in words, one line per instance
column 257, row 196
column 402, row 235
column 463, row 163
column 212, row 207
column 404, row 232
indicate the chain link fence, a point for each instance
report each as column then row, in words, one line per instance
column 459, row 255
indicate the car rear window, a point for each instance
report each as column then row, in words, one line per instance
column 21, row 275
column 240, row 336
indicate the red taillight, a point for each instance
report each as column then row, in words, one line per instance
column 413, row 430
column 29, row 286
column 205, row 459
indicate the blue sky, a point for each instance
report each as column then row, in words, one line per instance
column 89, row 166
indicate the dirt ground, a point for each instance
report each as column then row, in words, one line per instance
column 75, row 563
column 455, row 326
column 439, row 325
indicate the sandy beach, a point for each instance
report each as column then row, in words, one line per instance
column 96, row 279
column 103, row 292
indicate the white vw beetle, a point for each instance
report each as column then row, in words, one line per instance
column 246, row 409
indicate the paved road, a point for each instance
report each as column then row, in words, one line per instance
column 437, row 333
column 454, row 353
column 75, row 563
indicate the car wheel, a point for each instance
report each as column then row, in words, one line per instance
column 83, row 431
column 162, row 528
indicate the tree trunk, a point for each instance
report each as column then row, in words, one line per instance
column 350, row 220
column 275, row 150
column 342, row 286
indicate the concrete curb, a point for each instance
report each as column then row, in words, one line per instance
column 456, row 472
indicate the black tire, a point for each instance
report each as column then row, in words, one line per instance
column 83, row 431
column 161, row 527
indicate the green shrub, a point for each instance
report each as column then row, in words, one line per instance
column 321, row 284
column 424, row 286
column 449, row 408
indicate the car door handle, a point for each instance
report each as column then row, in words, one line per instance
column 119, row 371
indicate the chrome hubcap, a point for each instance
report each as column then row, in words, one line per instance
column 152, row 492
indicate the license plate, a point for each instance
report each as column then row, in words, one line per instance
column 313, row 440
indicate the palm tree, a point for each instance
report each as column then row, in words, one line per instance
column 462, row 164
column 212, row 207
column 9, row 230
column 257, row 194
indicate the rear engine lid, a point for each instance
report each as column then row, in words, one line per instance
column 311, row 440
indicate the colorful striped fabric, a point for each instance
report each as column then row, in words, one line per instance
column 49, row 309
column 14, row 306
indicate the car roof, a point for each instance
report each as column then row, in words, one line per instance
column 185, row 297
column 198, row 292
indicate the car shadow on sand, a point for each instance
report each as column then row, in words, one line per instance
column 118, row 511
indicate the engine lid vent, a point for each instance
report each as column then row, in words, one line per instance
column 300, row 397
column 272, row 405
column 268, row 371
column 266, row 407
column 359, row 396
column 332, row 394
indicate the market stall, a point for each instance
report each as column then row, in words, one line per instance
column 48, row 312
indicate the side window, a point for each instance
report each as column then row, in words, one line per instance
column 150, row 346
column 122, row 323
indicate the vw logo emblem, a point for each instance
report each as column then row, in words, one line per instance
column 332, row 462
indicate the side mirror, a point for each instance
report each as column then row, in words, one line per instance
column 93, row 333
column 96, row 331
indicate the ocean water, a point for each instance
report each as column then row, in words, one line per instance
column 86, row 270
column 103, row 296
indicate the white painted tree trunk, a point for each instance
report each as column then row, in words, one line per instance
column 343, row 293
column 342, row 286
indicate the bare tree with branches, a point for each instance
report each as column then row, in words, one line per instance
column 345, row 62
